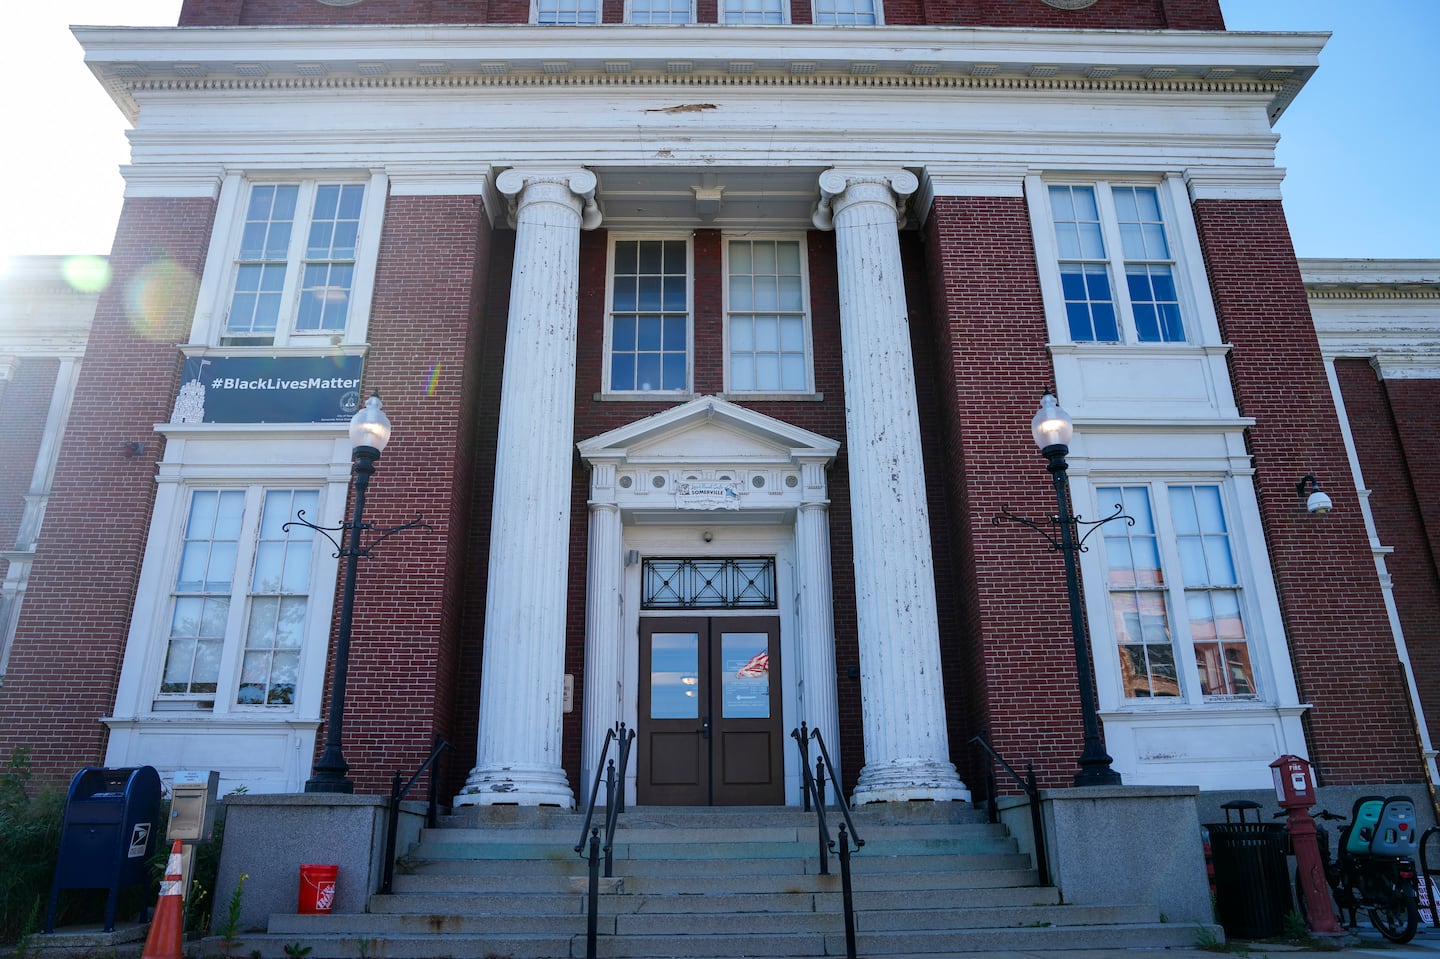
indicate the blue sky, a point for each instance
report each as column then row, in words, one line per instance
column 1360, row 143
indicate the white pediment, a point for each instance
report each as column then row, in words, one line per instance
column 708, row 430
column 710, row 457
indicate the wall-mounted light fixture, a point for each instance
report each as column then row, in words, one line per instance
column 707, row 536
column 1316, row 499
column 632, row 557
column 132, row 448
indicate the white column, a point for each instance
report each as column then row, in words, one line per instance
column 906, row 745
column 819, row 705
column 604, row 654
column 522, row 682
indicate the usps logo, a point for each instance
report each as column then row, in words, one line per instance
column 139, row 840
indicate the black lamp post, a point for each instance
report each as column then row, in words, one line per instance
column 1053, row 428
column 369, row 432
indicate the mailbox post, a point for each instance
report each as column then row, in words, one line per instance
column 1295, row 790
column 192, row 816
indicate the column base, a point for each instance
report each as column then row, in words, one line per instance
column 517, row 785
column 910, row 780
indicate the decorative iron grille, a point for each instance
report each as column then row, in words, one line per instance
column 737, row 583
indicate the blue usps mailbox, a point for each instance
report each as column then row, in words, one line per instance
column 111, row 820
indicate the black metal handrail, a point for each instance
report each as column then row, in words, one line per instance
column 814, row 788
column 614, row 806
column 397, row 793
column 1037, row 819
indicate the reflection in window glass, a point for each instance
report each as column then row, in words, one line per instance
column 650, row 316
column 752, row 11
column 745, row 665
column 1212, row 593
column 675, row 676
column 1138, row 596
column 202, row 592
column 558, row 12
column 279, row 597
column 860, row 12
column 766, row 316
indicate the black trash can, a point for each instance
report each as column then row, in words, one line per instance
column 1252, row 884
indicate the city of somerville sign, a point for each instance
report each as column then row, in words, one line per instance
column 268, row 389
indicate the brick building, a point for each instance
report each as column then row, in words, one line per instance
column 711, row 334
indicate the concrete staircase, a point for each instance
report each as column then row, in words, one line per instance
column 504, row 883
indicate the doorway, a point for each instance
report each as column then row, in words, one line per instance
column 709, row 724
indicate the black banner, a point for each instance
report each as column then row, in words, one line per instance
column 269, row 389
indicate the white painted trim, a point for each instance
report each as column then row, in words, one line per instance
column 175, row 181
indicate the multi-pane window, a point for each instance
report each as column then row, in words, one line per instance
column 295, row 266
column 228, row 532
column 765, row 313
column 1138, row 596
column 279, row 598
column 1212, row 592
column 1187, row 535
column 660, row 11
column 1117, row 274
column 752, row 11
column 650, row 316
column 571, row 12
column 845, row 12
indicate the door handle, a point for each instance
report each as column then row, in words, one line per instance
column 705, row 728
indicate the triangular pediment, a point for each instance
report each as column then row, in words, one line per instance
column 708, row 429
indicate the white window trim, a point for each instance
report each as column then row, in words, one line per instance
column 218, row 280
column 148, row 640
column 630, row 20
column 879, row 17
column 801, row 240
column 599, row 16
column 1269, row 654
column 1192, row 285
column 606, row 391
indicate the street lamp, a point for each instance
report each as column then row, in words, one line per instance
column 1052, row 429
column 369, row 432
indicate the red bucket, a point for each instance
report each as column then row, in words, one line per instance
column 317, row 889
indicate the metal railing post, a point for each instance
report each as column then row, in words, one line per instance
column 847, row 893
column 593, row 894
column 1037, row 826
column 804, row 740
column 391, row 831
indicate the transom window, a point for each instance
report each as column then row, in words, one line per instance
column 1104, row 231
column 567, row 12
column 708, row 583
column 295, row 266
column 660, row 11
column 845, row 12
column 766, row 319
column 228, row 532
column 650, row 316
column 1177, row 557
column 753, row 11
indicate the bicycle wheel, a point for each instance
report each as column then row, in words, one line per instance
column 1397, row 919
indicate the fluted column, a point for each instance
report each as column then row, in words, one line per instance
column 819, row 705
column 604, row 570
column 906, row 746
column 522, row 684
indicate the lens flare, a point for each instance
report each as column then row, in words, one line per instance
column 87, row 274
column 160, row 300
column 434, row 379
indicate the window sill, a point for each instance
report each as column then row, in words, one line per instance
column 775, row 397
column 651, row 396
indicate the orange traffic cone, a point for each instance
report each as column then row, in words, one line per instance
column 167, row 929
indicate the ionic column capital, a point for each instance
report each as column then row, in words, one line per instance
column 573, row 187
column 843, row 187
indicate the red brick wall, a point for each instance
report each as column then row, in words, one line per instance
column 1398, row 461
column 1104, row 15
column 67, row 652
column 1340, row 641
column 1013, row 670
column 424, row 347
column 24, row 403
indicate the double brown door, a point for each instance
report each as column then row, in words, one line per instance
column 709, row 730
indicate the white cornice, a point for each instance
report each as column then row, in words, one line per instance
column 1387, row 311
column 139, row 59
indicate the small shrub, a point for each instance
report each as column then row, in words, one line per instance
column 29, row 845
